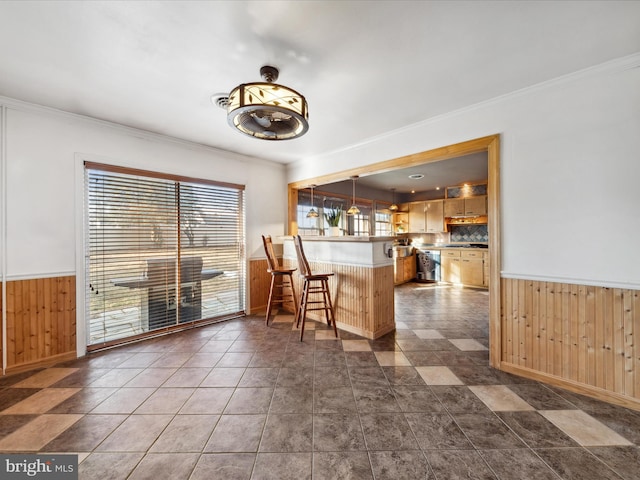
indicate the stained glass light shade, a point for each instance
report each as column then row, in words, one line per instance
column 268, row 111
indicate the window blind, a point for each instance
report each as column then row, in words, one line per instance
column 160, row 252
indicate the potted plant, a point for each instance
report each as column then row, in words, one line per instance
column 332, row 216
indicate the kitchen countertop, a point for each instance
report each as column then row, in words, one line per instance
column 343, row 238
column 456, row 246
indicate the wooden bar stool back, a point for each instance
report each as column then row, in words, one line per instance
column 315, row 285
column 281, row 280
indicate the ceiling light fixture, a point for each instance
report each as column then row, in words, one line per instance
column 353, row 209
column 313, row 213
column 266, row 110
column 416, row 176
column 393, row 206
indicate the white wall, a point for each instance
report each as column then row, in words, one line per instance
column 570, row 166
column 40, row 190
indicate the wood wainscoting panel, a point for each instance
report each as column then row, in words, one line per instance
column 580, row 334
column 41, row 321
column 382, row 300
column 259, row 283
column 1, row 329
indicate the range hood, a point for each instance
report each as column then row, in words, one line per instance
column 464, row 220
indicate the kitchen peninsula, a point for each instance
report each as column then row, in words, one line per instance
column 362, row 287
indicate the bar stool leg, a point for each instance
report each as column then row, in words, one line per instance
column 303, row 307
column 293, row 295
column 325, row 295
column 333, row 318
column 270, row 302
column 330, row 309
column 296, row 320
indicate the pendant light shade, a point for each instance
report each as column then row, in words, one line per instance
column 353, row 209
column 267, row 110
column 393, row 206
column 313, row 213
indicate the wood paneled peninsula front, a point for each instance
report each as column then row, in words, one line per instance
column 362, row 287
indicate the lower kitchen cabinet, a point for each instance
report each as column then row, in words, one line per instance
column 465, row 266
column 404, row 269
column 485, row 276
column 472, row 271
column 450, row 266
column 410, row 268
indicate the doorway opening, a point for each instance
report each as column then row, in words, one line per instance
column 490, row 145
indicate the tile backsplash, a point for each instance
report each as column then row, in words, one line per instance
column 426, row 238
column 469, row 233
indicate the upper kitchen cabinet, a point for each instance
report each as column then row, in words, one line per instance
column 475, row 205
column 454, row 207
column 434, row 210
column 426, row 217
column 417, row 217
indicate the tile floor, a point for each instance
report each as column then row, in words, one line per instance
column 238, row 400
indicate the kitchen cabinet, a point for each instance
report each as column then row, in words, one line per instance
column 404, row 269
column 468, row 267
column 455, row 207
column 485, row 276
column 471, row 268
column 426, row 217
column 417, row 218
column 475, row 205
column 450, row 266
column 434, row 216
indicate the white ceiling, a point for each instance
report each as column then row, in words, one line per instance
column 366, row 68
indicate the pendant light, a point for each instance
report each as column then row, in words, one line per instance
column 393, row 206
column 353, row 209
column 313, row 213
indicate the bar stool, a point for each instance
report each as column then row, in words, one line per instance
column 284, row 275
column 315, row 284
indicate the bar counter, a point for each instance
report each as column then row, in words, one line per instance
column 362, row 287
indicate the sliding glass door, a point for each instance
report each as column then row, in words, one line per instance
column 161, row 252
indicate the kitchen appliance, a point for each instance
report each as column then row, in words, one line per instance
column 428, row 266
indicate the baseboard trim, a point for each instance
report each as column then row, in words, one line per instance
column 48, row 362
column 366, row 333
column 575, row 387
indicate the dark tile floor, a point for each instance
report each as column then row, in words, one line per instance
column 238, row 400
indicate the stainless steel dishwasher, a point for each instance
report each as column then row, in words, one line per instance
column 428, row 265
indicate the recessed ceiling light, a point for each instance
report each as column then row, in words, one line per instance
column 416, row 176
